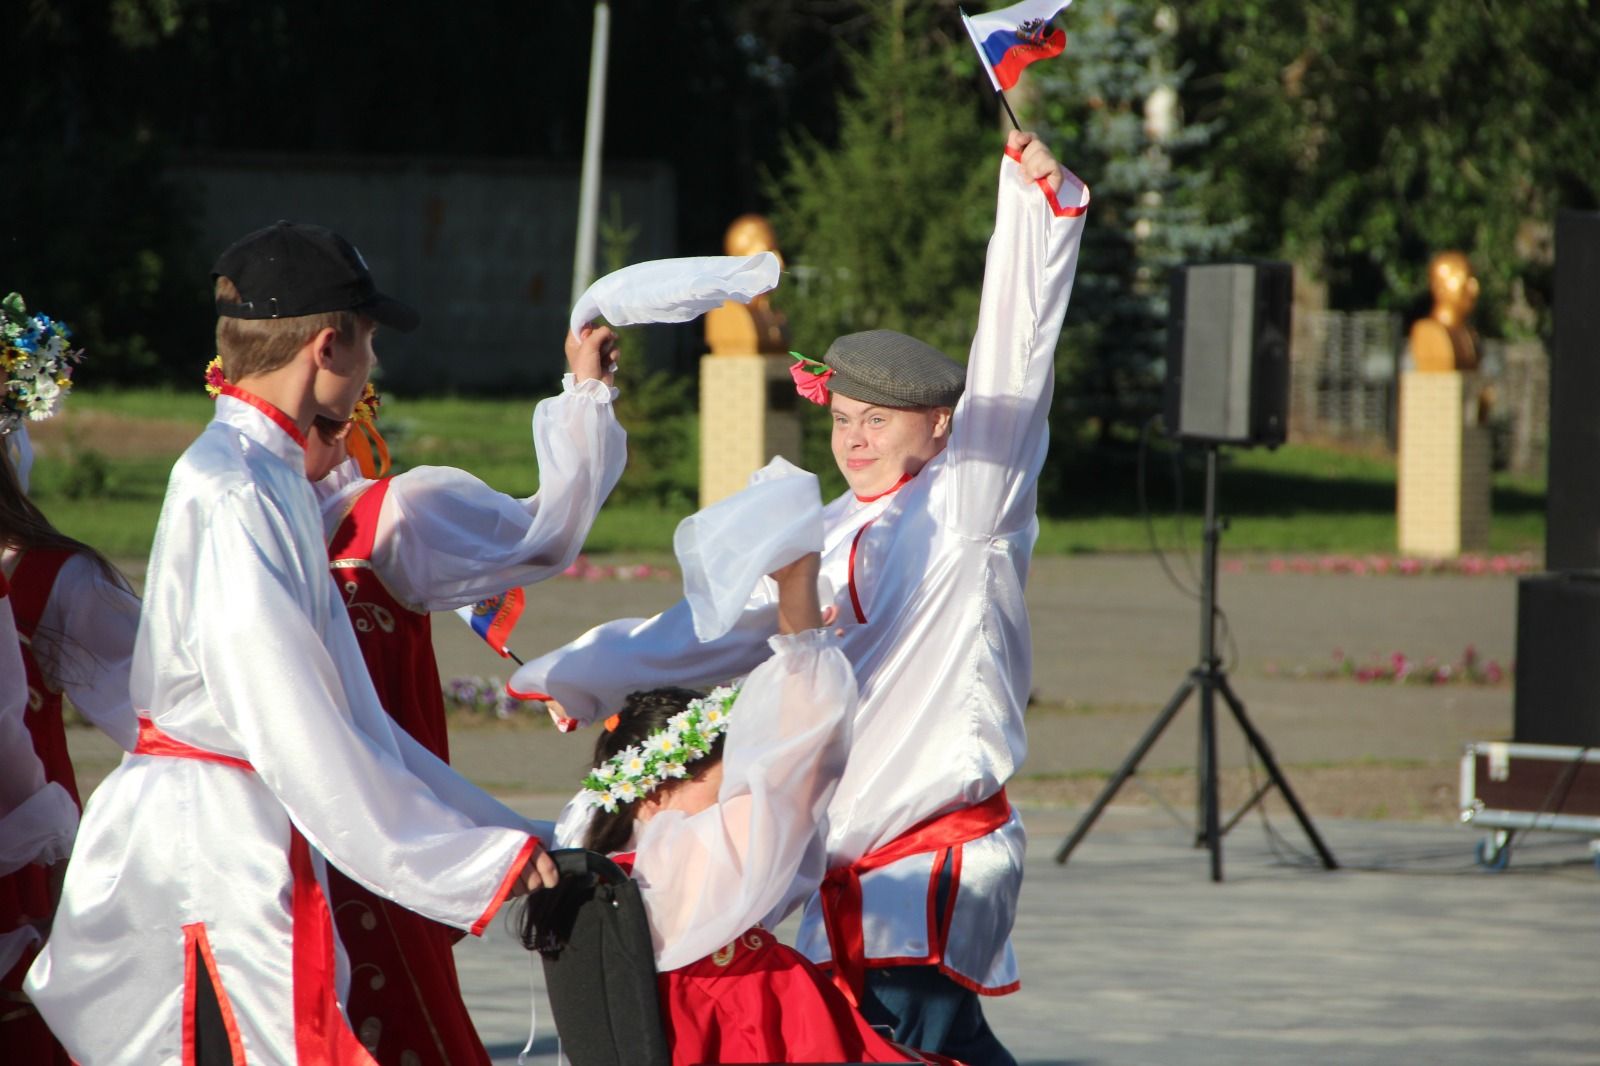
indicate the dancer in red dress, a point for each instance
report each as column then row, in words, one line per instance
column 432, row 539
column 75, row 620
column 37, row 821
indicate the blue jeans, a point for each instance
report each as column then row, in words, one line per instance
column 930, row 1012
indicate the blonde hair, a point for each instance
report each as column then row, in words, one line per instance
column 251, row 346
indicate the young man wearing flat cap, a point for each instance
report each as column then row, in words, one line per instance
column 194, row 926
column 925, row 559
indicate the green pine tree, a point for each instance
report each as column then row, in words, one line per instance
column 887, row 229
column 1109, row 110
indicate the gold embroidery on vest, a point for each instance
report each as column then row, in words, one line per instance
column 363, row 615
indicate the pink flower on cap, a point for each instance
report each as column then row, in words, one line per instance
column 811, row 378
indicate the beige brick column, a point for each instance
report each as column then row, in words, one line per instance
column 1443, row 507
column 749, row 412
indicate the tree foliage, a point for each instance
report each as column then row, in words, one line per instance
column 1110, row 112
column 1363, row 137
column 886, row 228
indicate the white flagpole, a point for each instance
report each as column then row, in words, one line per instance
column 594, row 134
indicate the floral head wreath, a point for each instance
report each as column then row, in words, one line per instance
column 35, row 364
column 361, row 443
column 635, row 771
column 811, row 378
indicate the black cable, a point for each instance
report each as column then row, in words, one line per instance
column 1178, row 512
column 1149, row 522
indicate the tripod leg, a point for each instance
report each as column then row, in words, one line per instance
column 1125, row 771
column 1259, row 743
column 1208, row 771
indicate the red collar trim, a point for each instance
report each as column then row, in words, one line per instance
column 282, row 420
column 886, row 492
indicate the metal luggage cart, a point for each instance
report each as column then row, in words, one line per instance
column 1513, row 788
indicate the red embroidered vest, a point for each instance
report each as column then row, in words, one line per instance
column 396, row 640
column 405, row 1001
column 31, row 585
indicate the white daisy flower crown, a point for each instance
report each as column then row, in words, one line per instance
column 635, row 771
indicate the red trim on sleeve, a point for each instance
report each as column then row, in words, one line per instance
column 1056, row 207
column 195, row 939
column 541, row 697
column 283, row 421
column 506, row 884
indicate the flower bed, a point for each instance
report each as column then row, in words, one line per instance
column 1361, row 565
column 1398, row 668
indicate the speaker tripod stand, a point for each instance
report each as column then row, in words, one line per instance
column 1209, row 679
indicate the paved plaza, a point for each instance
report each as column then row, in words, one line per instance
column 1129, row 954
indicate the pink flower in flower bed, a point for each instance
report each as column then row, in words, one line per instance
column 1471, row 565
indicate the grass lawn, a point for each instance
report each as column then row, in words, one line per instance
column 103, row 467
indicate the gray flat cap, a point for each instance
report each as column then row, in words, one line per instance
column 883, row 367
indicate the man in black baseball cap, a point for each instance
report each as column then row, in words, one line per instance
column 296, row 312
column 293, row 269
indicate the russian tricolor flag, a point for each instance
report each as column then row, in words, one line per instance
column 1011, row 38
column 494, row 618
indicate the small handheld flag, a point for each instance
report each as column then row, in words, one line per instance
column 1009, row 39
column 493, row 619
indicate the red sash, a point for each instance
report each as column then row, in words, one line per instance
column 841, row 889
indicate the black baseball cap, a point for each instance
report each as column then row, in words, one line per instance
column 291, row 269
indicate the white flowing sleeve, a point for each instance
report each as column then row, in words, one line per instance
column 591, row 676
column 464, row 796
column 277, row 689
column 98, row 619
column 1000, row 430
column 445, row 539
column 708, row 877
column 37, row 818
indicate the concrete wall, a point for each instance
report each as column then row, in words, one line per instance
column 483, row 249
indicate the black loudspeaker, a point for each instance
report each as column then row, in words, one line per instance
column 1228, row 352
column 1558, row 660
column 1572, row 507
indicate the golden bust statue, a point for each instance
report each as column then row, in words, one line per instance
column 755, row 328
column 1444, row 340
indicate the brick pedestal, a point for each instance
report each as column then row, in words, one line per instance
column 1443, row 506
column 749, row 412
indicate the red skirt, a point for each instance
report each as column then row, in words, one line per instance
column 758, row 1000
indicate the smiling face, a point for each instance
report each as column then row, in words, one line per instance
column 876, row 446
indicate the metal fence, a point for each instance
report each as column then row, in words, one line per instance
column 1344, row 373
